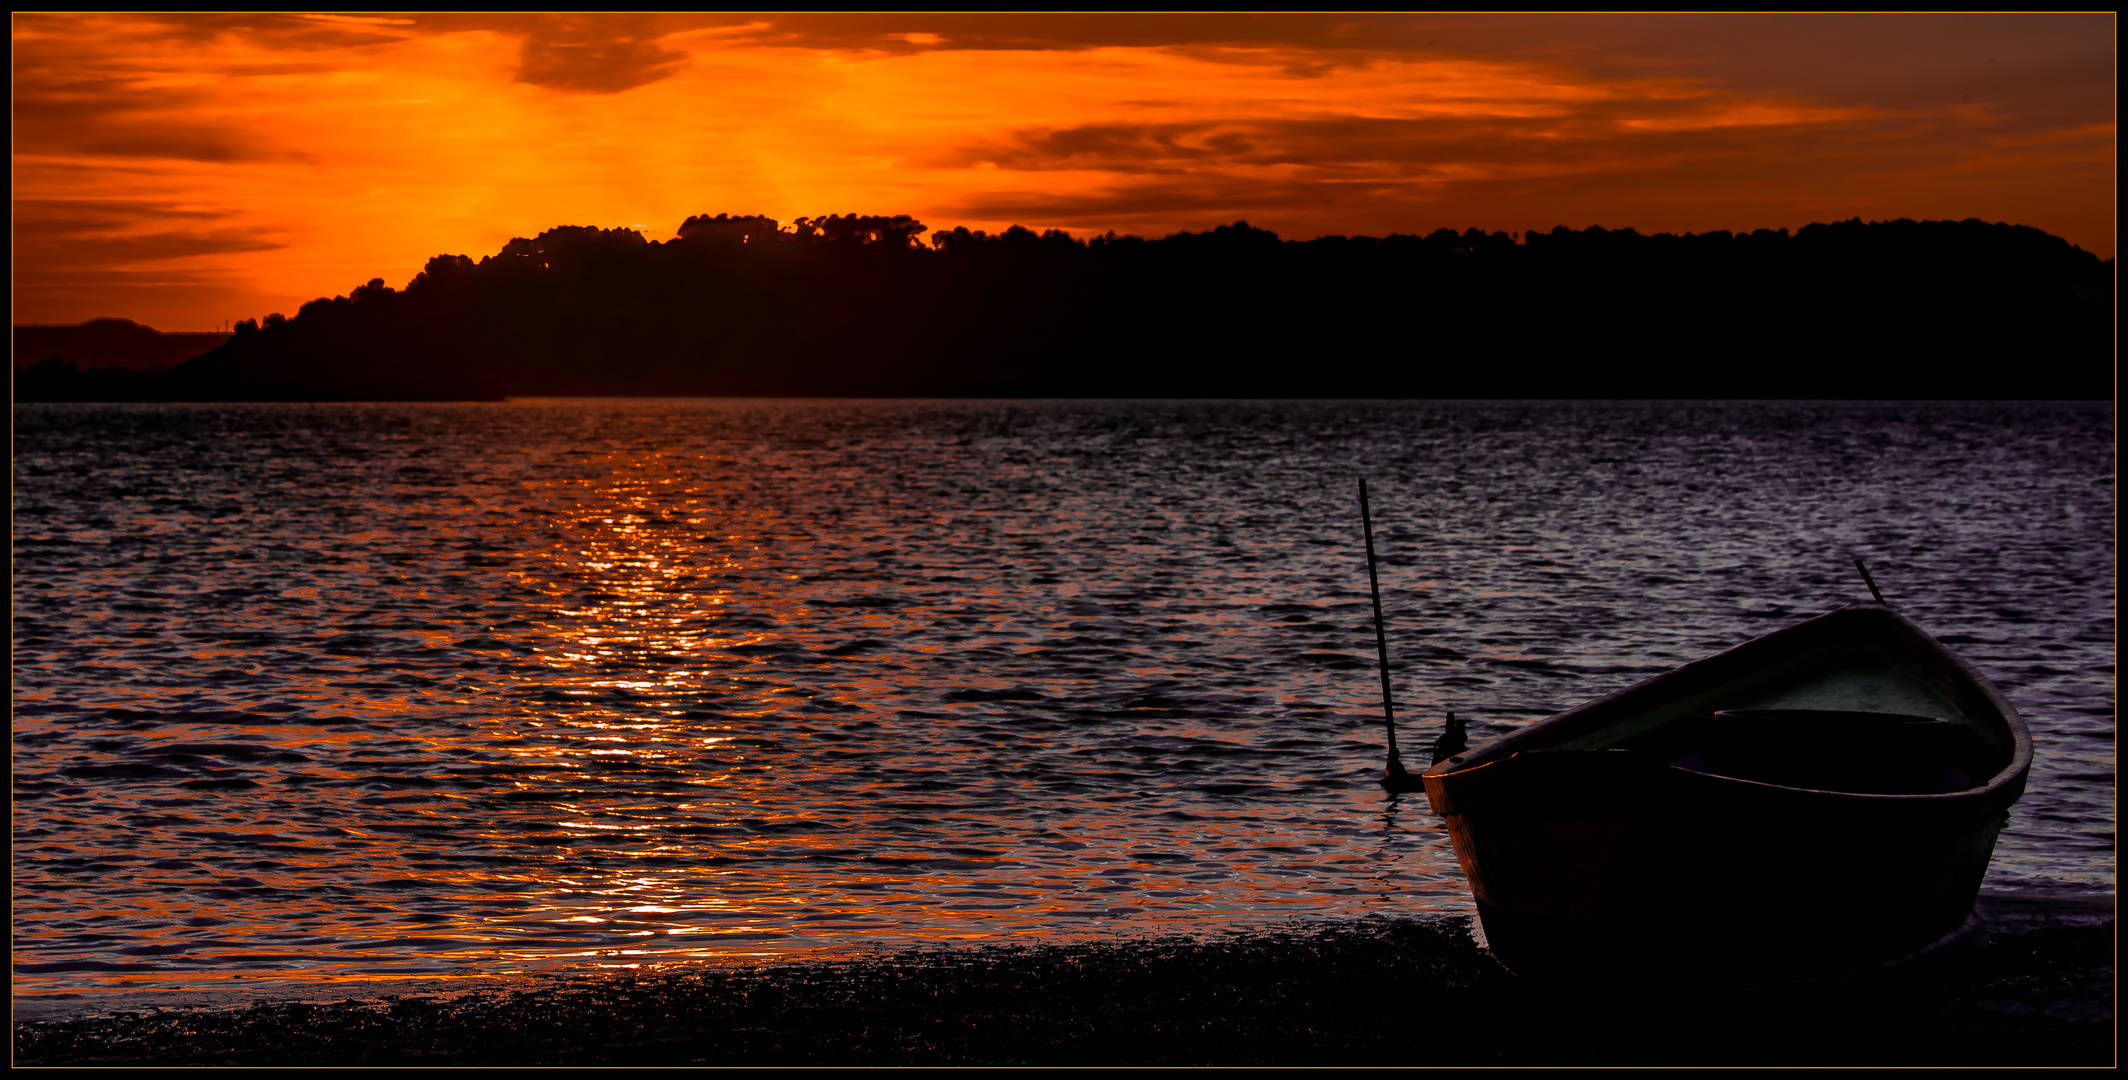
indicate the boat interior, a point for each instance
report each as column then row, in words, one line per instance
column 1847, row 716
column 1869, row 753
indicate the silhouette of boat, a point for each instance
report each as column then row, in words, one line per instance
column 1821, row 799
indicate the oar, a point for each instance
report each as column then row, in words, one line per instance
column 1394, row 777
column 1868, row 580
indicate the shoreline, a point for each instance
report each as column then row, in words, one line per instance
column 2032, row 985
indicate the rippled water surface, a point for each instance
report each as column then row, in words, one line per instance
column 358, row 691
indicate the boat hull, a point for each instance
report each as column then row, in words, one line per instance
column 1603, row 864
column 1599, row 880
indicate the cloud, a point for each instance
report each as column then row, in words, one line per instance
column 1374, row 175
column 56, row 238
column 74, row 216
column 97, row 98
column 897, row 33
column 116, row 116
column 1598, row 135
column 596, row 54
column 184, row 87
column 1118, row 148
column 135, row 32
column 1207, row 201
column 79, row 259
column 140, row 248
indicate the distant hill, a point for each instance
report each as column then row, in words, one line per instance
column 857, row 306
column 110, row 343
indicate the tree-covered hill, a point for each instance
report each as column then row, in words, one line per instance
column 862, row 306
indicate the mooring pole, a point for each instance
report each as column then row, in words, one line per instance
column 1394, row 777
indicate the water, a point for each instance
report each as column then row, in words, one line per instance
column 332, row 693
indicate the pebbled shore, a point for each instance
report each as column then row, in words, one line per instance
column 2027, row 989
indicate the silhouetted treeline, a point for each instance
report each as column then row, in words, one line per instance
column 860, row 306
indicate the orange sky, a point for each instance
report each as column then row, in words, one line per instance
column 187, row 170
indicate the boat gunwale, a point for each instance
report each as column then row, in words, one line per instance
column 1715, row 668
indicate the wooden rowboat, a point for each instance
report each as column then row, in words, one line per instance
column 1823, row 798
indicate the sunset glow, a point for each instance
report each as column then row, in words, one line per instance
column 184, row 171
